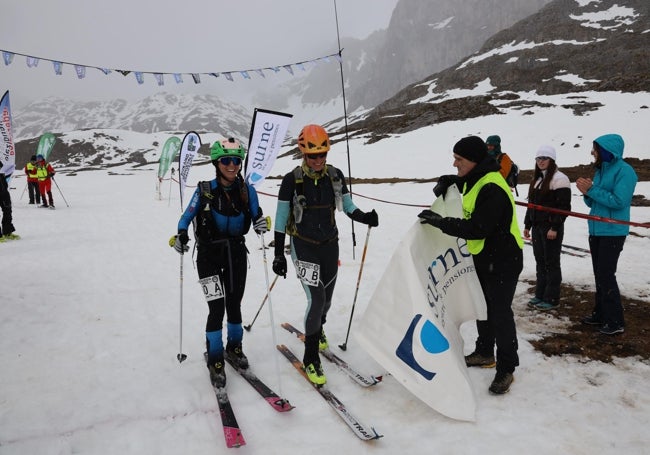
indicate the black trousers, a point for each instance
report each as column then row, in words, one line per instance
column 34, row 192
column 547, row 261
column 499, row 290
column 605, row 251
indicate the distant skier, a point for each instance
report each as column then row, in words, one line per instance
column 45, row 173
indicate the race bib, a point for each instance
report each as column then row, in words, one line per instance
column 308, row 272
column 212, row 288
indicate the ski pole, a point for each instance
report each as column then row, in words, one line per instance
column 60, row 192
column 249, row 326
column 268, row 295
column 344, row 346
column 23, row 193
column 180, row 355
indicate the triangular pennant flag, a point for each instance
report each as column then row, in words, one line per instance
column 260, row 72
column 245, row 74
column 228, row 76
column 338, row 58
column 288, row 68
column 276, row 69
column 104, row 70
column 32, row 61
column 214, row 74
column 326, row 59
column 196, row 77
column 123, row 72
column 301, row 65
column 81, row 71
column 8, row 57
column 178, row 78
column 159, row 78
column 57, row 68
column 139, row 77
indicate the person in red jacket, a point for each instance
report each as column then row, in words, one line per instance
column 32, row 181
column 45, row 172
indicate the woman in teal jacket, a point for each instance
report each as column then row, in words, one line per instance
column 608, row 195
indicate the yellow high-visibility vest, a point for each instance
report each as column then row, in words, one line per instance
column 475, row 246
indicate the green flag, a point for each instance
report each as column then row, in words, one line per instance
column 45, row 145
column 168, row 155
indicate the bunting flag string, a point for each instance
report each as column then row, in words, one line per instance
column 80, row 70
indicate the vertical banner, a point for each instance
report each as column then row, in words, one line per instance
column 168, row 155
column 268, row 131
column 7, row 150
column 412, row 323
column 45, row 145
column 189, row 147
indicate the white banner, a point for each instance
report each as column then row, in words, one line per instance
column 267, row 135
column 189, row 148
column 7, row 150
column 411, row 325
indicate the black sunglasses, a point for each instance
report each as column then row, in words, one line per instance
column 226, row 160
column 316, row 156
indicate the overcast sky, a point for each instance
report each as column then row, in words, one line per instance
column 169, row 36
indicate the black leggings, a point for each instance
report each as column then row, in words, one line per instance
column 321, row 261
column 228, row 260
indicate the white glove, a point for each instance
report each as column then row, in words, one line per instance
column 262, row 225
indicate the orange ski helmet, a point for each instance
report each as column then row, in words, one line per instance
column 313, row 139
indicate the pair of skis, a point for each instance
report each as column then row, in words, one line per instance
column 231, row 431
column 362, row 431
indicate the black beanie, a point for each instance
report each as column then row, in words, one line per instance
column 471, row 148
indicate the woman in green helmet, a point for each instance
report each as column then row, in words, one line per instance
column 223, row 210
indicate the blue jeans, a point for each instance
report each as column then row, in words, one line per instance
column 605, row 251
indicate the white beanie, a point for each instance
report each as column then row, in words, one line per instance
column 546, row 150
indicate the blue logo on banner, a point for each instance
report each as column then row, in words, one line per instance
column 255, row 177
column 430, row 339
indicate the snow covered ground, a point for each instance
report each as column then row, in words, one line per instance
column 89, row 321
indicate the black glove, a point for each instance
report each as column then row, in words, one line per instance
column 444, row 182
column 371, row 218
column 179, row 242
column 430, row 217
column 261, row 225
column 280, row 266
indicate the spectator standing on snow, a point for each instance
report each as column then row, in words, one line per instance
column 608, row 195
column 308, row 199
column 493, row 238
column 7, row 227
column 45, row 174
column 32, row 181
column 223, row 210
column 549, row 188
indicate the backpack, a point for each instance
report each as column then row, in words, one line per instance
column 509, row 170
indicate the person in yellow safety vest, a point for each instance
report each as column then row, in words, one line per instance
column 493, row 238
column 32, row 181
column 45, row 172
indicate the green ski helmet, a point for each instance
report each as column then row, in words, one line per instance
column 227, row 147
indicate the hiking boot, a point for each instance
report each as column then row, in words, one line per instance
column 534, row 301
column 591, row 320
column 315, row 373
column 612, row 329
column 12, row 236
column 44, row 206
column 322, row 341
column 545, row 306
column 477, row 360
column 217, row 374
column 235, row 356
column 501, row 383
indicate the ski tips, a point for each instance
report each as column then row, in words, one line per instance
column 343, row 347
column 181, row 357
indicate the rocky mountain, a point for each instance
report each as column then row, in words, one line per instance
column 423, row 37
column 566, row 47
column 159, row 112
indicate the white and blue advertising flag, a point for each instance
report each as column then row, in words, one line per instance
column 412, row 323
column 189, row 148
column 268, row 131
column 7, row 150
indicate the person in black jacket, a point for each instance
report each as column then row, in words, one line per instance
column 308, row 199
column 549, row 188
column 494, row 240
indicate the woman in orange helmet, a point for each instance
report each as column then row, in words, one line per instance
column 308, row 199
